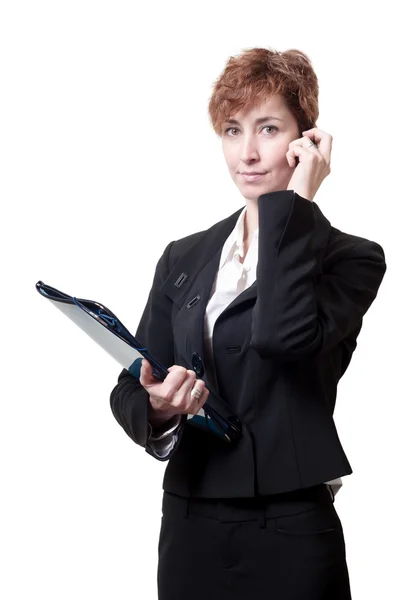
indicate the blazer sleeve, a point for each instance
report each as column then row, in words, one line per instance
column 162, row 443
column 299, row 312
column 129, row 400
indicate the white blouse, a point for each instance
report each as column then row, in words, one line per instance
column 233, row 277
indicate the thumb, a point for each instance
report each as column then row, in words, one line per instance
column 144, row 371
column 146, row 377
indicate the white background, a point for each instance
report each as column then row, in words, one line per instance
column 107, row 154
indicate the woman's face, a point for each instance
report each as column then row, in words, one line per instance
column 260, row 147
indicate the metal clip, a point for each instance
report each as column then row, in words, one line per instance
column 193, row 301
column 181, row 280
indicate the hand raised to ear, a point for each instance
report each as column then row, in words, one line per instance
column 314, row 153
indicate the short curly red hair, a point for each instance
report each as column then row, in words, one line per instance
column 259, row 73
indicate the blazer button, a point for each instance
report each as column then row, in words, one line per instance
column 197, row 364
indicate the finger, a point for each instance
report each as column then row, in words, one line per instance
column 180, row 375
column 180, row 396
column 197, row 403
column 297, row 149
column 203, row 399
column 146, row 376
column 294, row 151
column 315, row 133
column 188, row 384
column 192, row 382
column 198, row 384
column 303, row 142
column 322, row 139
column 176, row 385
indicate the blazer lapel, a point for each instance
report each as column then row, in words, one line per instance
column 190, row 281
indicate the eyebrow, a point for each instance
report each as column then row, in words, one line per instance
column 257, row 121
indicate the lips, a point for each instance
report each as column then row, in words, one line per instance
column 252, row 176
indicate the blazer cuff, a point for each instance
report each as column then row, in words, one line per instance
column 172, row 424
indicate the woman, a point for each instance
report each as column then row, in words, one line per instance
column 272, row 298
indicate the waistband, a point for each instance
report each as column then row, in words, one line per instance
column 249, row 509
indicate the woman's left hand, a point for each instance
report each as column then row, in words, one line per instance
column 314, row 162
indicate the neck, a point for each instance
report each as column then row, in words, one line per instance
column 251, row 219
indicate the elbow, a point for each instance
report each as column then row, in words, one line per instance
column 295, row 346
column 130, row 409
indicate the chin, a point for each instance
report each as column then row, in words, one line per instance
column 252, row 192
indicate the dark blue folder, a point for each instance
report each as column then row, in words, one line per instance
column 107, row 330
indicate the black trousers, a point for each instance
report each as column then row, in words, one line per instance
column 281, row 547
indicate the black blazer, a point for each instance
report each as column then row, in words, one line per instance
column 280, row 349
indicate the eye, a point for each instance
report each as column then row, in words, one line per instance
column 270, row 127
column 265, row 127
column 229, row 129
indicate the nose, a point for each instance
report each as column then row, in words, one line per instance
column 249, row 150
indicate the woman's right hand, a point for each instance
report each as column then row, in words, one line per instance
column 172, row 396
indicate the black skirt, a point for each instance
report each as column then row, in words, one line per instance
column 282, row 547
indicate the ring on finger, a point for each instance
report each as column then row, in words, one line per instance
column 196, row 393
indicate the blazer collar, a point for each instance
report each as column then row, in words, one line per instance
column 189, row 264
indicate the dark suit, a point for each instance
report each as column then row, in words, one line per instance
column 280, row 349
